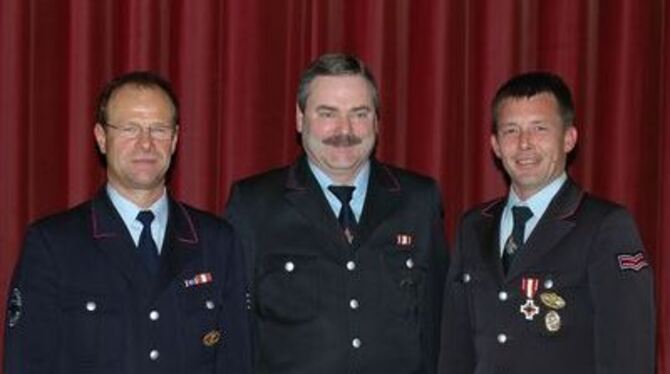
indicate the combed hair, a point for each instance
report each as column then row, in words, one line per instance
column 142, row 79
column 534, row 83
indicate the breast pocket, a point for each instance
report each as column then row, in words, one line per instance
column 94, row 327
column 201, row 313
column 405, row 276
column 287, row 287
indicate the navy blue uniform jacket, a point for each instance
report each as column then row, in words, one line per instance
column 82, row 302
column 584, row 250
column 325, row 306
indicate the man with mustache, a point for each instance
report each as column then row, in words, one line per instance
column 548, row 279
column 131, row 281
column 346, row 255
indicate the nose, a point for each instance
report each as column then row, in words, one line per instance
column 144, row 138
column 346, row 125
column 525, row 140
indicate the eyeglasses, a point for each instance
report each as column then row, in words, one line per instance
column 133, row 131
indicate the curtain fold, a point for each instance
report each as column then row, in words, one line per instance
column 235, row 66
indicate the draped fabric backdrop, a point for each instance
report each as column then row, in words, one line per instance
column 235, row 65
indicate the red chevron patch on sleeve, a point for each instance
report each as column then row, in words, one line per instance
column 635, row 262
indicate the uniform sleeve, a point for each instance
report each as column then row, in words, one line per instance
column 235, row 355
column 620, row 281
column 457, row 353
column 33, row 320
column 234, row 213
column 437, row 274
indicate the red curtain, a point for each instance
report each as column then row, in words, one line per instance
column 235, row 66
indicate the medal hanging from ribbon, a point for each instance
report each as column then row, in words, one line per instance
column 529, row 287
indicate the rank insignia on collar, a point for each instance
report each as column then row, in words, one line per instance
column 15, row 307
column 403, row 240
column 529, row 287
column 198, row 279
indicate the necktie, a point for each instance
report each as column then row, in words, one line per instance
column 346, row 217
column 515, row 241
column 146, row 245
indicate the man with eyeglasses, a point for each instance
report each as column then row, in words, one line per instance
column 346, row 254
column 131, row 281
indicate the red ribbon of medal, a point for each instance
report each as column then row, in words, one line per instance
column 529, row 287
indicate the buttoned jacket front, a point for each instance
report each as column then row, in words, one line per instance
column 86, row 303
column 605, row 322
column 323, row 305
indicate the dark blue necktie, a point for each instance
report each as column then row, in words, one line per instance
column 346, row 217
column 147, row 245
column 521, row 215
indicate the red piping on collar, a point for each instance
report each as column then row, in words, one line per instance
column 94, row 221
column 394, row 180
column 575, row 206
column 194, row 239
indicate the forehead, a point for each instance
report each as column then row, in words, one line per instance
column 132, row 100
column 346, row 90
column 540, row 105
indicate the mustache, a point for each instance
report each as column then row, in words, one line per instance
column 342, row 140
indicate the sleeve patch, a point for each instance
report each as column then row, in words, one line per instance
column 635, row 262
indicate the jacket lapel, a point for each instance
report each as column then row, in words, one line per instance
column 180, row 246
column 488, row 233
column 113, row 239
column 556, row 222
column 304, row 193
column 382, row 199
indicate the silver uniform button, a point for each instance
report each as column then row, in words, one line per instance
column 351, row 265
column 502, row 295
column 353, row 304
column 466, row 278
column 548, row 283
column 209, row 304
column 154, row 354
column 154, row 315
column 409, row 263
column 289, row 266
column 356, row 343
column 91, row 306
column 502, row 338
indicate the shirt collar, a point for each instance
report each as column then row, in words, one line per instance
column 539, row 202
column 129, row 210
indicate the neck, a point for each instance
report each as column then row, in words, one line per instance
column 140, row 197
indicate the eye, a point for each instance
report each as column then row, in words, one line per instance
column 363, row 115
column 509, row 130
column 326, row 114
column 130, row 130
column 159, row 130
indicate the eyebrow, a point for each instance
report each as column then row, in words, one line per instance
column 361, row 108
column 326, row 107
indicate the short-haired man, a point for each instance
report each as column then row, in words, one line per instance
column 131, row 281
column 548, row 279
column 346, row 254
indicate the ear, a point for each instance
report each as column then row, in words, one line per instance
column 298, row 118
column 569, row 139
column 495, row 145
column 100, row 137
